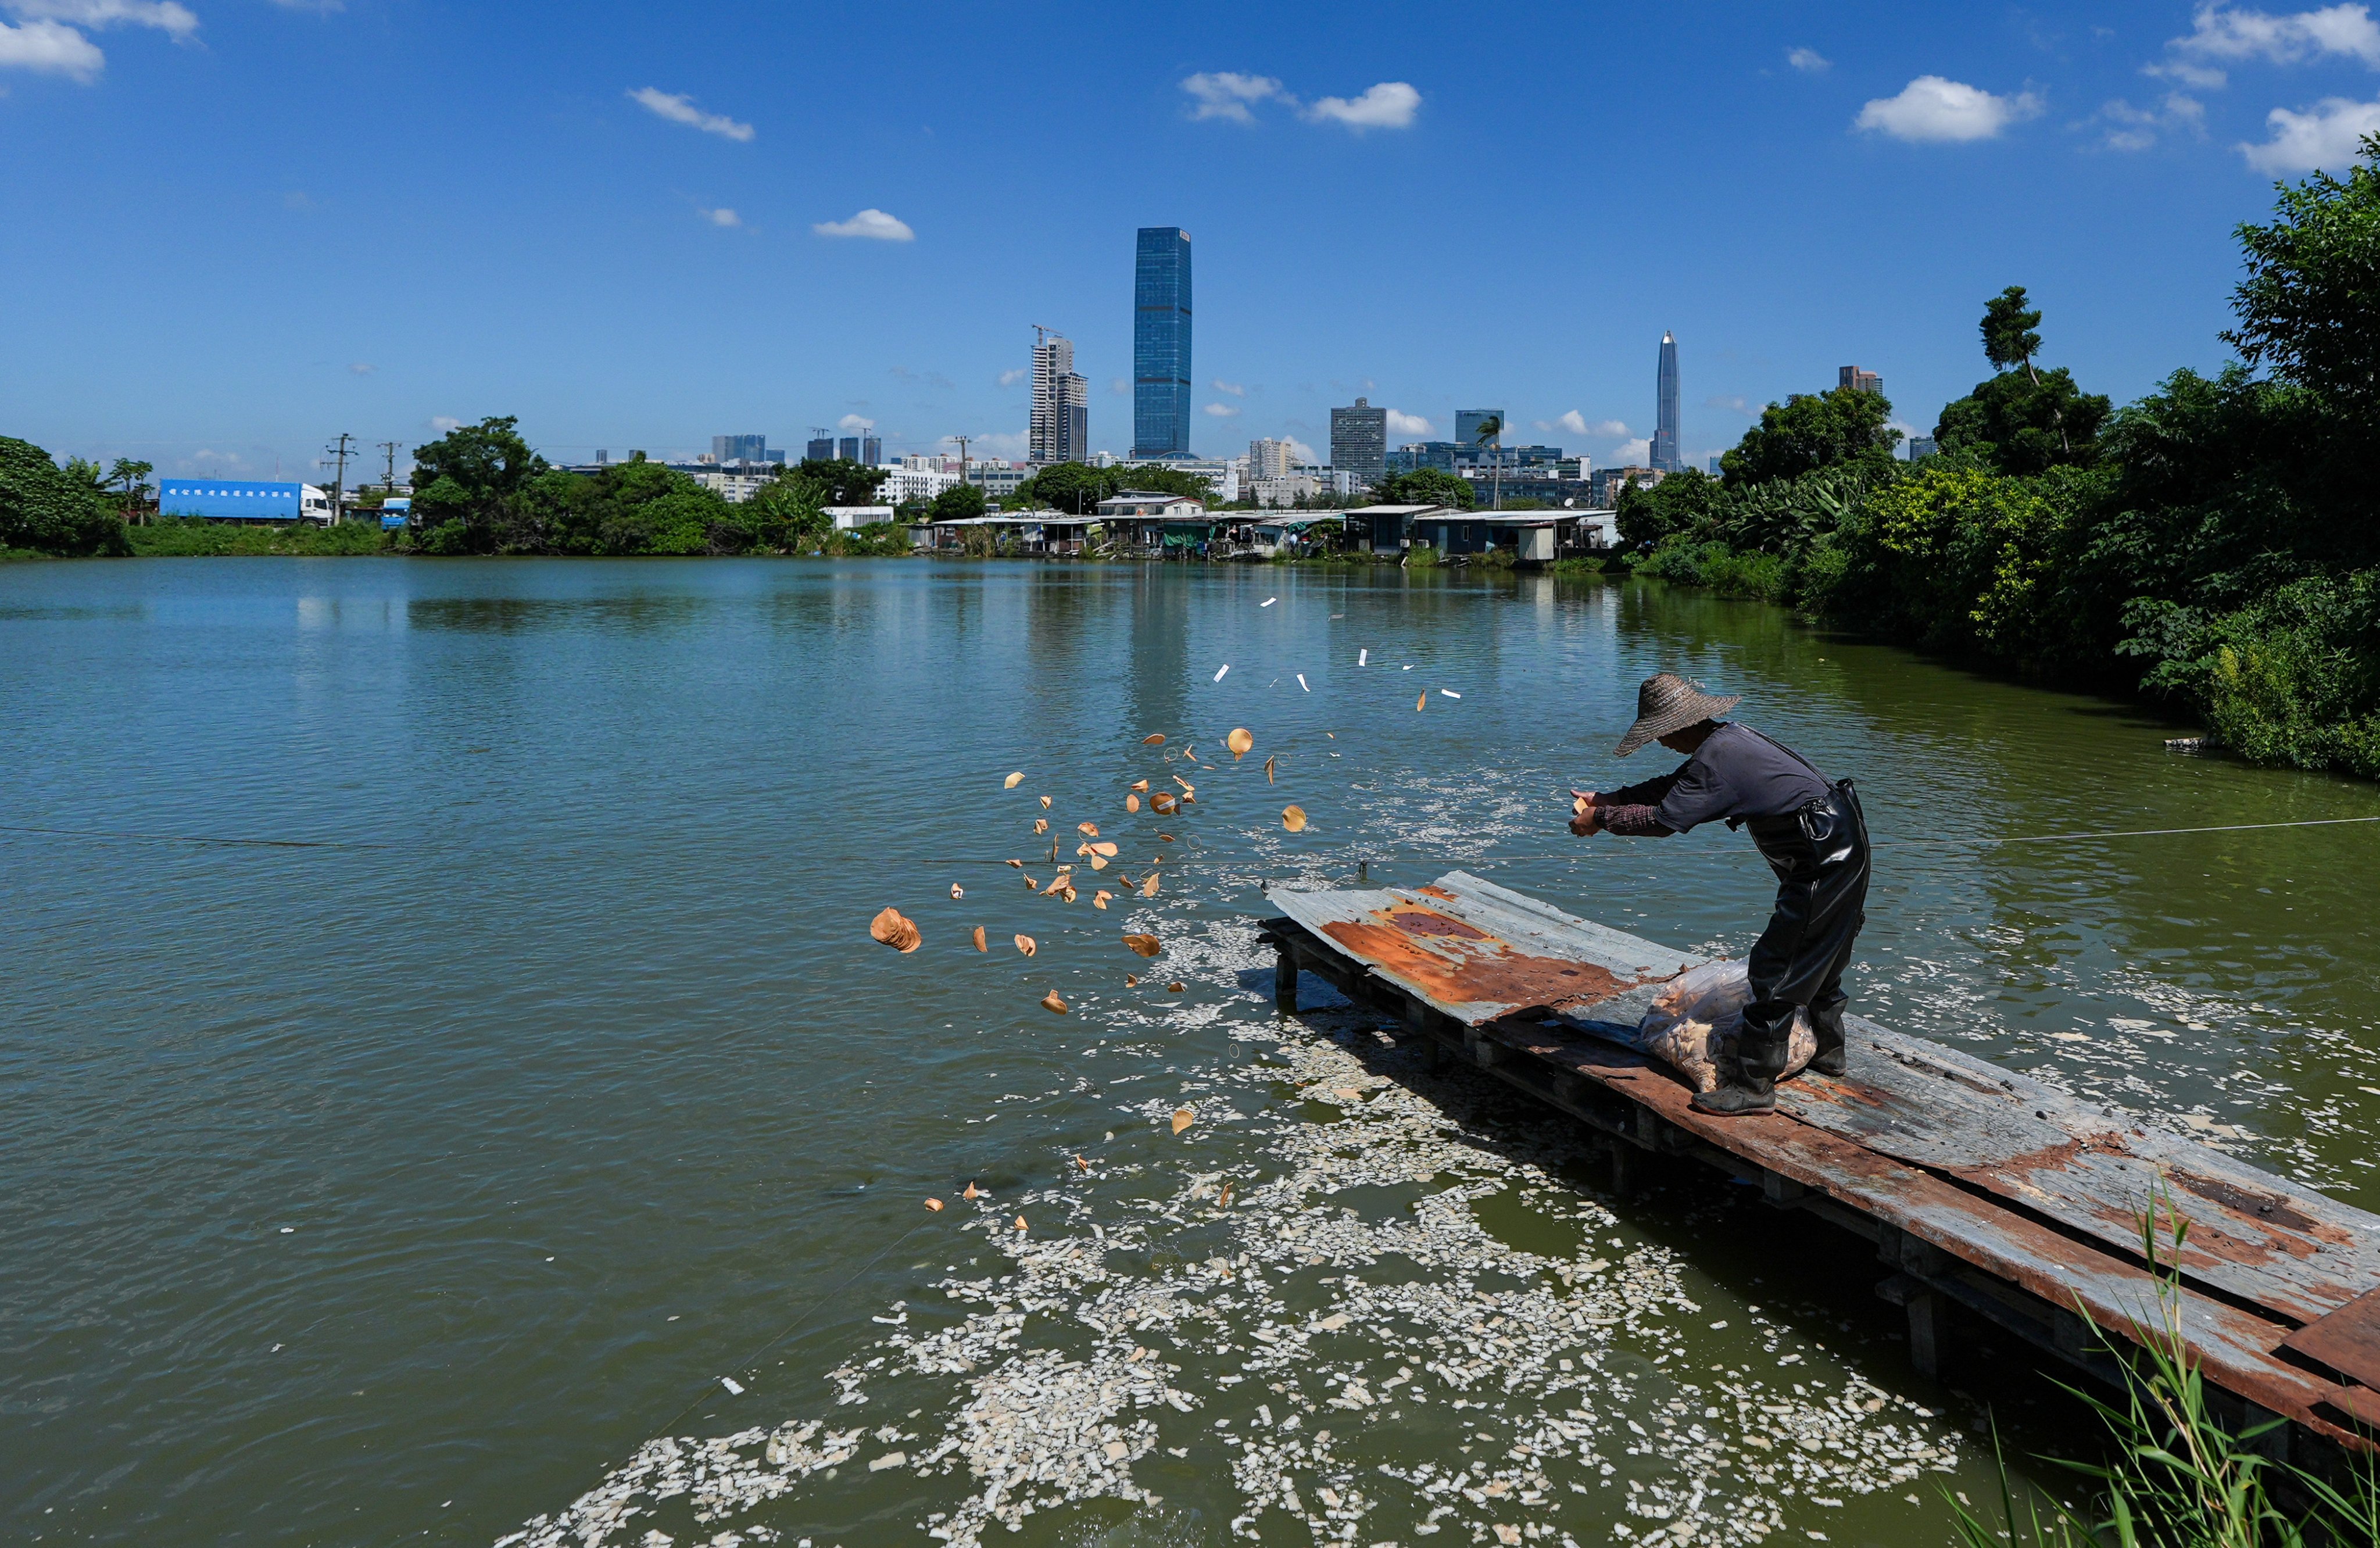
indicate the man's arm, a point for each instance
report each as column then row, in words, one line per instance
column 1636, row 819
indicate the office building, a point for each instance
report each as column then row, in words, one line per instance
column 1160, row 343
column 1468, row 421
column 1859, row 381
column 1716, row 470
column 729, row 449
column 820, row 448
column 1414, row 455
column 1665, row 425
column 1921, row 447
column 1269, row 459
column 865, row 450
column 1060, row 429
column 1605, row 487
column 1359, row 440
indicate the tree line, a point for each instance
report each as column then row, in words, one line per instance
column 2213, row 543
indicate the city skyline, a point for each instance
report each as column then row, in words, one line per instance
column 1663, row 455
column 268, row 295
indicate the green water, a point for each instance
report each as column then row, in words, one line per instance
column 422, row 1184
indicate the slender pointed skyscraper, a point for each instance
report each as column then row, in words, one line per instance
column 1665, row 427
column 1160, row 343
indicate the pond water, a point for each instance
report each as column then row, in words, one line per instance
column 446, row 1042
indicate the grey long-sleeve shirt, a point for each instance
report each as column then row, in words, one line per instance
column 1736, row 774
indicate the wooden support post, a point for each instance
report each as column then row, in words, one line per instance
column 1623, row 1165
column 1285, row 982
column 1925, row 1333
column 1782, row 1191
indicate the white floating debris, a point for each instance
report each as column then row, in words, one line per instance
column 1405, row 668
column 1220, row 670
column 889, row 1459
column 734, row 1386
column 1268, row 602
column 1301, row 682
column 1448, row 693
column 1362, row 657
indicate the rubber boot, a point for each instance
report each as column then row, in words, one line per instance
column 1734, row 1098
column 1827, row 1025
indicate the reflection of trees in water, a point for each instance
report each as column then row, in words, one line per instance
column 639, row 614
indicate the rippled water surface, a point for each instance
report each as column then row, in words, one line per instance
column 444, row 1042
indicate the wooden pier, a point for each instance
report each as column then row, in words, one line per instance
column 1985, row 1192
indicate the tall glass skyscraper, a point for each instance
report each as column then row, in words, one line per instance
column 1160, row 343
column 1665, row 427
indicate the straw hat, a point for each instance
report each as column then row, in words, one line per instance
column 1667, row 703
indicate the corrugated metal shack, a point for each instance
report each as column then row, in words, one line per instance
column 1986, row 1193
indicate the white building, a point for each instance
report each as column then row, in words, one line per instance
column 847, row 518
column 1285, row 489
column 917, row 478
column 998, row 480
column 733, row 488
column 1270, row 459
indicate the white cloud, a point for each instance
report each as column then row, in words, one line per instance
column 1121, row 387
column 1389, row 105
column 1633, row 453
column 2216, row 33
column 444, row 424
column 854, row 423
column 1809, row 61
column 2137, row 129
column 2328, row 136
column 1224, row 410
column 1300, row 452
column 166, row 16
column 1227, row 94
column 1004, row 447
column 363, row 368
column 873, row 224
column 207, row 460
column 1408, row 424
column 1010, row 378
column 720, row 217
column 47, row 48
column 1234, row 388
column 1930, row 108
column 1735, row 402
column 680, row 109
column 1578, row 424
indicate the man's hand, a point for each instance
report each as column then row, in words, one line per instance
column 1585, row 820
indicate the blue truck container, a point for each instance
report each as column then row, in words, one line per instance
column 242, row 500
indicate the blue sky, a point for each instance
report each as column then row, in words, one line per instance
column 234, row 228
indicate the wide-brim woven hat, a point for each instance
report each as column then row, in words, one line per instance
column 1667, row 703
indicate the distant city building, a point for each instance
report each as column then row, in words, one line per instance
column 865, row 450
column 1414, row 455
column 242, row 500
column 1269, row 459
column 1922, row 446
column 733, row 487
column 1467, row 422
column 1665, row 427
column 821, row 450
column 740, row 449
column 1060, row 426
column 1160, row 343
column 847, row 448
column 1284, row 489
column 1607, row 482
column 1716, row 470
column 917, row 478
column 998, row 480
column 1859, row 381
column 1359, row 440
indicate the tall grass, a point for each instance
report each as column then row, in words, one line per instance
column 2177, row 1478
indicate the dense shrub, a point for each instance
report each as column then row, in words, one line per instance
column 48, row 509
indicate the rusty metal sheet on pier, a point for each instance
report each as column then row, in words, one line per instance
column 1477, row 951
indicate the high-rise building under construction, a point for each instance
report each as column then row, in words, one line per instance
column 1060, row 431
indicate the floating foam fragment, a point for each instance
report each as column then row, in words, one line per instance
column 1362, row 657
column 1220, row 670
column 735, row 1387
column 1449, row 693
column 1301, row 682
column 1268, row 602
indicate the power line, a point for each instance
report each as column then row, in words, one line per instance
column 339, row 490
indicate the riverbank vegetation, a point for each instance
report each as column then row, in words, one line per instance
column 2212, row 543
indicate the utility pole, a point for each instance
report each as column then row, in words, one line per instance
column 963, row 459
column 389, row 482
column 339, row 489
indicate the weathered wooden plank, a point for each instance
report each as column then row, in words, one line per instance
column 2238, row 1347
column 2348, row 1341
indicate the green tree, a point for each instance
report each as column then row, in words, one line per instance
column 132, row 479
column 52, row 509
column 469, row 488
column 2310, row 307
column 961, row 502
column 1073, row 487
column 2022, row 420
column 1809, row 431
column 1683, row 503
column 1425, row 486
